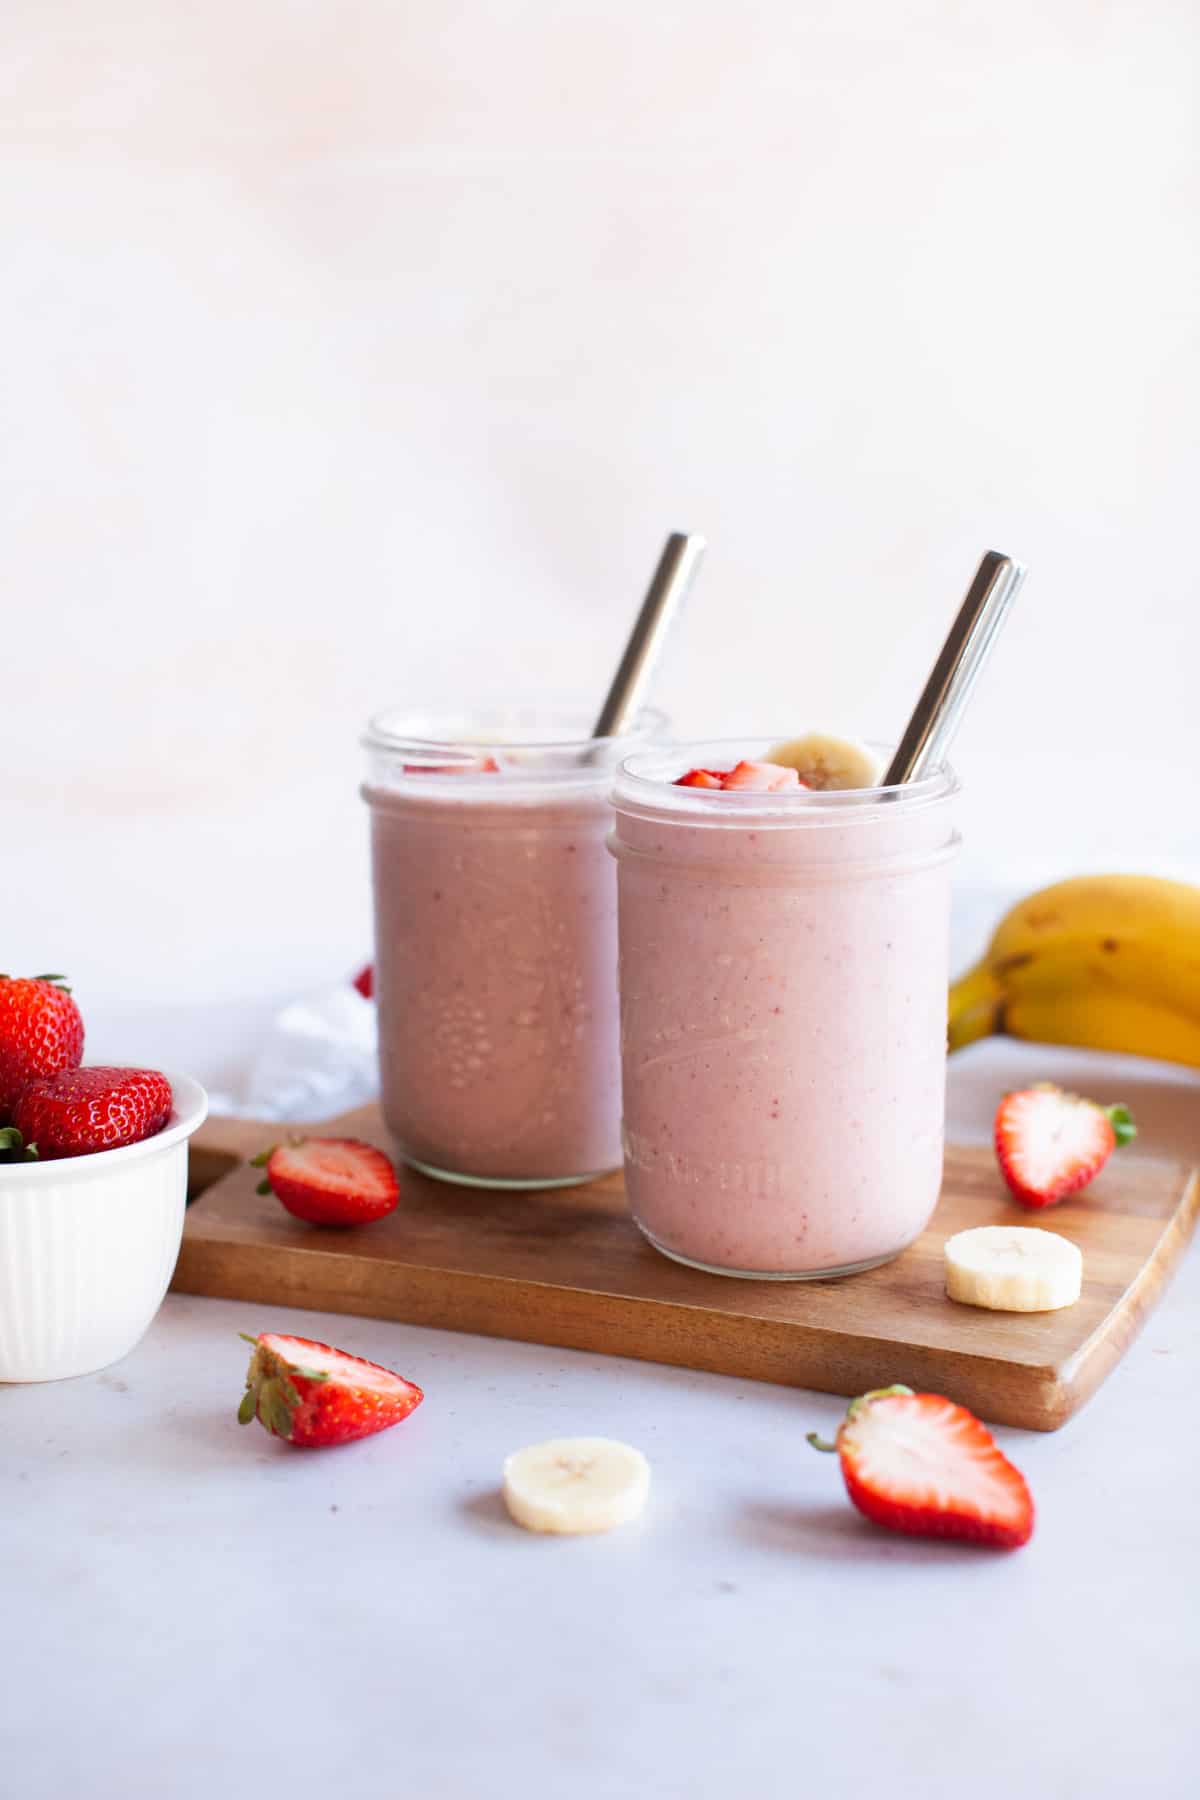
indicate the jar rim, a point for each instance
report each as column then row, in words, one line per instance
column 523, row 727
column 504, row 752
column 647, row 780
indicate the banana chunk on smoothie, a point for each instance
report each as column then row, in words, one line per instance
column 1013, row 1268
column 824, row 761
column 572, row 1485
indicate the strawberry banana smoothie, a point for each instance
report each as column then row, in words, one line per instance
column 496, row 950
column 783, row 1011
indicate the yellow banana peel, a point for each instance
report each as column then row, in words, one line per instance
column 1105, row 962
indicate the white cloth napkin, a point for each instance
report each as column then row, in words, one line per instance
column 316, row 1059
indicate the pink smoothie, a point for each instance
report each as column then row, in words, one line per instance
column 496, row 960
column 783, row 1016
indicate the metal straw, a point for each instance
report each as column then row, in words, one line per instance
column 673, row 577
column 938, row 713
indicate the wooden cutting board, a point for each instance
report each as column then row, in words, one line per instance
column 568, row 1267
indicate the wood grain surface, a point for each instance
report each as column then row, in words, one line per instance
column 568, row 1267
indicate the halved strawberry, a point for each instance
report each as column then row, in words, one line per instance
column 920, row 1464
column 701, row 778
column 760, row 777
column 330, row 1181
column 459, row 765
column 312, row 1394
column 1050, row 1144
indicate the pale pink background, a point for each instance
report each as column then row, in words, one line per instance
column 356, row 351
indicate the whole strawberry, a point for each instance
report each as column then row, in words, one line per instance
column 79, row 1111
column 41, row 1032
column 312, row 1395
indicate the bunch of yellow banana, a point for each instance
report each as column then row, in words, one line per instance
column 1109, row 962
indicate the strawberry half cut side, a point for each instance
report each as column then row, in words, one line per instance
column 917, row 1463
column 330, row 1181
column 1050, row 1144
column 311, row 1394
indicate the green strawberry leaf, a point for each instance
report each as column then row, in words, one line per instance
column 281, row 1414
column 13, row 1147
column 1121, row 1120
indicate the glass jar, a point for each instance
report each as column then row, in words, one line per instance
column 496, row 943
column 783, row 971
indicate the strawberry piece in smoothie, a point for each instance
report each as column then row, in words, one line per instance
column 745, row 777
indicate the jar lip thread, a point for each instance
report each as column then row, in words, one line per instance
column 787, row 874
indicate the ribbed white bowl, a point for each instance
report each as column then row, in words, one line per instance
column 88, row 1246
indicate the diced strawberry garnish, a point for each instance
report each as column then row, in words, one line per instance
column 364, row 981
column 79, row 1111
column 466, row 765
column 920, row 1464
column 760, row 777
column 746, row 777
column 312, row 1394
column 1050, row 1144
column 330, row 1181
column 41, row 1032
column 701, row 778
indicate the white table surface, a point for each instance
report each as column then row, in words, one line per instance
column 192, row 1609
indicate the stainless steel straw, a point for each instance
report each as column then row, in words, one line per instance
column 673, row 577
column 938, row 713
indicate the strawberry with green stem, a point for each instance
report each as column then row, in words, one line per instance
column 1050, row 1144
column 41, row 1032
column 312, row 1395
column 329, row 1181
column 80, row 1111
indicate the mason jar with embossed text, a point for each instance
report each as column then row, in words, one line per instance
column 496, row 941
column 783, row 978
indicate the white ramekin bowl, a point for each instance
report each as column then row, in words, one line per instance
column 88, row 1245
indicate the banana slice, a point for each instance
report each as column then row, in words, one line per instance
column 570, row 1485
column 824, row 761
column 1013, row 1268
